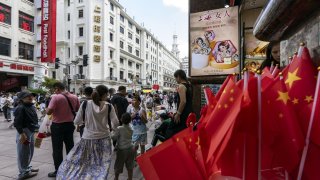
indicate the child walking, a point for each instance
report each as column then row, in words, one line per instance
column 125, row 152
column 139, row 121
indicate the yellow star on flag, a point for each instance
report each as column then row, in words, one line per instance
column 232, row 91
column 219, row 106
column 231, row 99
column 309, row 99
column 226, row 106
column 283, row 96
column 295, row 101
column 292, row 77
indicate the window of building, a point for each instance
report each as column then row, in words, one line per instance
column 54, row 76
column 80, row 13
column 111, row 54
column 121, row 30
column 111, row 72
column 32, row 1
column 121, row 45
column 129, row 49
column 26, row 51
column 5, row 46
column 111, row 7
column 80, row 49
column 111, row 20
column 80, row 69
column 26, row 22
column 137, row 41
column 81, row 31
column 121, row 75
column 146, row 56
column 130, row 24
column 137, row 66
column 80, row 1
column 147, row 45
column 68, row 2
column 5, row 14
column 121, row 60
column 137, row 31
column 111, row 37
column 121, row 18
column 129, row 63
column 137, row 53
column 69, row 53
column 69, row 35
column 129, row 35
column 68, row 16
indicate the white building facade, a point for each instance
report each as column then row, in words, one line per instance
column 120, row 51
column 20, row 36
column 185, row 65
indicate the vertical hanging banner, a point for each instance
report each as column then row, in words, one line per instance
column 48, row 31
column 214, row 42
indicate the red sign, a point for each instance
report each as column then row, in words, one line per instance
column 156, row 87
column 48, row 31
column 31, row 68
column 13, row 66
column 1, row 64
column 19, row 67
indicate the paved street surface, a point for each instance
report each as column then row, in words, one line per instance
column 42, row 158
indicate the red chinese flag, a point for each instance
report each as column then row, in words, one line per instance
column 282, row 137
column 170, row 160
column 300, row 80
column 223, row 116
column 223, row 86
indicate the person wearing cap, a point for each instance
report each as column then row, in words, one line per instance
column 26, row 124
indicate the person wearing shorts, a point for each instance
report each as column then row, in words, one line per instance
column 126, row 151
column 139, row 121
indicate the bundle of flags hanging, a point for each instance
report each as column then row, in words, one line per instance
column 264, row 126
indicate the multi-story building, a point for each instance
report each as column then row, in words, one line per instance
column 185, row 65
column 120, row 51
column 20, row 37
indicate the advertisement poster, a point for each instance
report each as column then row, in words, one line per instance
column 214, row 42
column 255, row 51
column 48, row 31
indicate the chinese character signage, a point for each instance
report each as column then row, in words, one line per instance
column 214, row 42
column 97, row 34
column 48, row 31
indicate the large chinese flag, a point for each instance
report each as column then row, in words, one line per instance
column 282, row 137
column 223, row 117
column 223, row 86
column 300, row 80
column 171, row 160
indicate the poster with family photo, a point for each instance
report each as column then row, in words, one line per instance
column 214, row 42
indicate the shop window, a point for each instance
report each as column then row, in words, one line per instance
column 5, row 14
column 26, row 22
column 26, row 51
column 5, row 46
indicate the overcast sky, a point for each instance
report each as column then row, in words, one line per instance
column 163, row 18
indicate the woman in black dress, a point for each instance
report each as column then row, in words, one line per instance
column 184, row 105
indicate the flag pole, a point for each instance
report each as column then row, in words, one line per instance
column 272, row 66
column 259, row 125
column 245, row 87
column 307, row 141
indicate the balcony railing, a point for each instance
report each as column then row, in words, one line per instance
column 112, row 78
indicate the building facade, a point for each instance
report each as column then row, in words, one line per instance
column 120, row 51
column 20, row 36
column 185, row 65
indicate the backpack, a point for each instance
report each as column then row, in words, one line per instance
column 84, row 106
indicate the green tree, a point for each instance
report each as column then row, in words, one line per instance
column 48, row 83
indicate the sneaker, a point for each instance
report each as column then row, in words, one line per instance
column 35, row 170
column 52, row 174
column 27, row 176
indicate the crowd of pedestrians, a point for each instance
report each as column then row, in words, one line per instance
column 108, row 121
